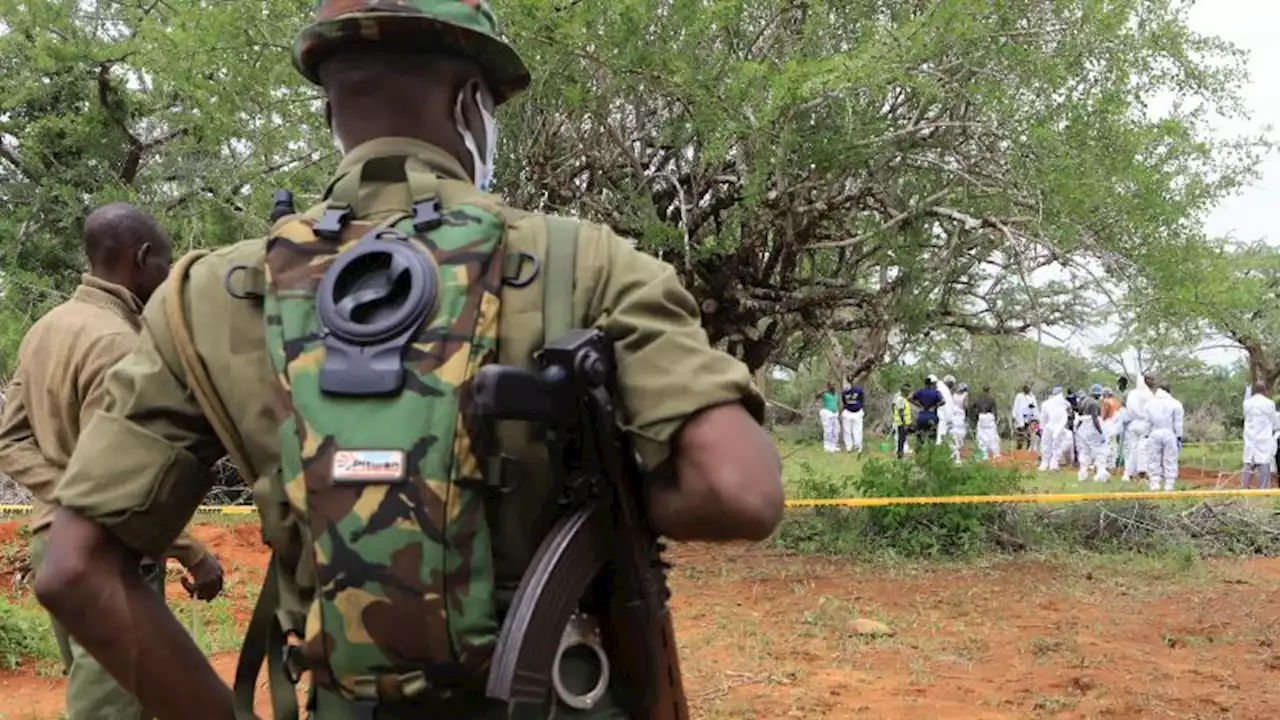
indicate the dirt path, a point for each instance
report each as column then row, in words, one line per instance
column 24, row 697
column 766, row 635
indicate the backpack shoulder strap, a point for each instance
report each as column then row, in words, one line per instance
column 559, row 270
column 198, row 380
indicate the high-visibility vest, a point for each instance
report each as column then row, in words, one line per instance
column 902, row 413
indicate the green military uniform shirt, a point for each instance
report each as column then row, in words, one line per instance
column 140, row 467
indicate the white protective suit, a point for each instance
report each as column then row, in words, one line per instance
column 944, row 410
column 851, row 421
column 1164, row 413
column 1091, row 446
column 1024, row 409
column 957, row 428
column 1261, row 424
column 988, row 436
column 1135, row 435
column 1053, row 430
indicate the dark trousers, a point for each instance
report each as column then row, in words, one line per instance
column 926, row 432
column 1022, row 438
column 903, row 432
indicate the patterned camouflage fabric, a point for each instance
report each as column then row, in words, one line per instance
column 466, row 28
column 404, row 571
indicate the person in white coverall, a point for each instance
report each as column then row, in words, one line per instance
column 1024, row 411
column 1135, row 435
column 1261, row 425
column 957, row 427
column 944, row 412
column 1164, row 413
column 1091, row 437
column 1053, row 426
column 983, row 408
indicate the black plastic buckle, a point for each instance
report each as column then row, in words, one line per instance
column 521, row 280
column 292, row 668
column 426, row 215
column 332, row 222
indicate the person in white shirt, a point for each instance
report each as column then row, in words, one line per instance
column 1024, row 411
column 957, row 426
column 1261, row 425
column 1053, row 429
column 1164, row 414
column 946, row 386
column 1135, row 436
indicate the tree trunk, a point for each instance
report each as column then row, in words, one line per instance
column 1261, row 366
column 869, row 348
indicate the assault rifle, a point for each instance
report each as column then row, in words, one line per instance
column 601, row 559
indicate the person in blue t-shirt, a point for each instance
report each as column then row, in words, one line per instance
column 927, row 401
column 851, row 416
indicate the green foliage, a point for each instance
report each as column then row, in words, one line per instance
column 872, row 170
column 934, row 530
column 939, row 530
column 1222, row 289
column 25, row 634
column 875, row 169
column 191, row 110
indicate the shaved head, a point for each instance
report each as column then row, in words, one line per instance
column 397, row 93
column 126, row 246
column 113, row 234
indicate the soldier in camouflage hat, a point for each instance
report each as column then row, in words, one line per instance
column 393, row 565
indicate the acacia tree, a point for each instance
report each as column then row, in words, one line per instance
column 1147, row 344
column 189, row 109
column 869, row 168
column 873, row 168
column 1222, row 292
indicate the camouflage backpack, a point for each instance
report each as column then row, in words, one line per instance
column 374, row 333
column 381, row 583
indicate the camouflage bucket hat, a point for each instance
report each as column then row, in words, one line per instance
column 466, row 28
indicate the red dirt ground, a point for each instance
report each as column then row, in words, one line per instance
column 767, row 635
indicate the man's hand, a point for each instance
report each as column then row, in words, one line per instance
column 204, row 580
column 90, row 582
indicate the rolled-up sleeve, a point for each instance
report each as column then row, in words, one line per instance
column 140, row 467
column 20, row 455
column 667, row 369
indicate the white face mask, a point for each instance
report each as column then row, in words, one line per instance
column 482, row 160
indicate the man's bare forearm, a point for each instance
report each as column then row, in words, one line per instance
column 90, row 583
column 727, row 484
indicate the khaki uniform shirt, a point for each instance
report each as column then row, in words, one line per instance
column 140, row 466
column 57, row 388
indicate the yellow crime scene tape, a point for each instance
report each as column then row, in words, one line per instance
column 888, row 501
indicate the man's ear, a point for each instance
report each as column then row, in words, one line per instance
column 140, row 257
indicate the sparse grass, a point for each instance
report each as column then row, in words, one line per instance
column 26, row 637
